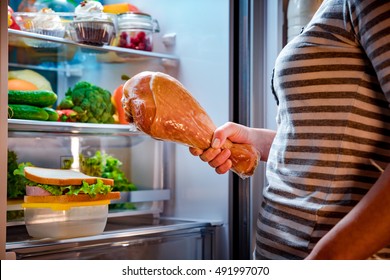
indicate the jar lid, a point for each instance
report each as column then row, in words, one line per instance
column 137, row 20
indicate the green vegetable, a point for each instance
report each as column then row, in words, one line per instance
column 122, row 206
column 91, row 189
column 39, row 98
column 92, row 103
column 16, row 185
column 106, row 166
column 66, row 103
column 15, row 215
column 27, row 112
column 53, row 115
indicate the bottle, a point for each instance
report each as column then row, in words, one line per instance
column 299, row 13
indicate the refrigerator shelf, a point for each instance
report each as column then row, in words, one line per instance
column 124, row 238
column 143, row 196
column 18, row 125
column 134, row 196
column 16, row 39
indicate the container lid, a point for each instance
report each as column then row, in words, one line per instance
column 65, row 206
column 137, row 20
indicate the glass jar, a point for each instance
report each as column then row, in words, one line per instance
column 136, row 31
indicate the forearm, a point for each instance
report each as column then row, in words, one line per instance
column 262, row 140
column 364, row 230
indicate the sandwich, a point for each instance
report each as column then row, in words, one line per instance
column 46, row 185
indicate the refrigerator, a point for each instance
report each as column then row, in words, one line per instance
column 223, row 52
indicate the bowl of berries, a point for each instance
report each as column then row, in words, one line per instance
column 136, row 31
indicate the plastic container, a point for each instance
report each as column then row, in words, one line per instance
column 65, row 220
column 93, row 29
column 136, row 31
column 48, row 24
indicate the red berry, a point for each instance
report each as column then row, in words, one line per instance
column 123, row 35
column 141, row 46
column 134, row 40
column 141, row 35
column 122, row 42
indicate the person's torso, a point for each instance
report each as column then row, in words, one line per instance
column 333, row 120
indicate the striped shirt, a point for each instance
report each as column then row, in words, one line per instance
column 333, row 87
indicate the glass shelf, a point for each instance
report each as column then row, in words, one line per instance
column 16, row 125
column 133, row 196
column 108, row 53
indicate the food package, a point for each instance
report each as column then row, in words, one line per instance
column 160, row 106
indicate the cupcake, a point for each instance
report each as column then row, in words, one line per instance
column 44, row 22
column 91, row 26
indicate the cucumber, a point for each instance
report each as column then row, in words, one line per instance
column 53, row 115
column 40, row 98
column 27, row 112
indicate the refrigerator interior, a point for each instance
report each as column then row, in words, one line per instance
column 201, row 41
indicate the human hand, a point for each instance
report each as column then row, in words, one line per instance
column 217, row 156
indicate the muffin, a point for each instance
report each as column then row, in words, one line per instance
column 45, row 22
column 91, row 26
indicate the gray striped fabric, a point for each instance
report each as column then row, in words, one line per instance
column 333, row 87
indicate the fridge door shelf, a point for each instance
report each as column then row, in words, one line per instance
column 107, row 53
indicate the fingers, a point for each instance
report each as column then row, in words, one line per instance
column 209, row 154
column 225, row 167
column 216, row 158
column 195, row 151
column 220, row 158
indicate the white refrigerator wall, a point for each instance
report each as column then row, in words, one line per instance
column 202, row 45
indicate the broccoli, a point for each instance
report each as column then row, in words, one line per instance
column 92, row 103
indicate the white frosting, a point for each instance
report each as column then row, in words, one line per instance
column 89, row 7
column 90, row 10
column 47, row 19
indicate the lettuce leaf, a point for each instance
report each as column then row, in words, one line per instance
column 16, row 185
column 91, row 189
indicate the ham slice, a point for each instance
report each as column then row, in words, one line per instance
column 160, row 106
column 36, row 191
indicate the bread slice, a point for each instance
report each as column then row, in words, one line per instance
column 61, row 177
column 70, row 198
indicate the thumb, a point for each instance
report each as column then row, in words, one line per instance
column 222, row 133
